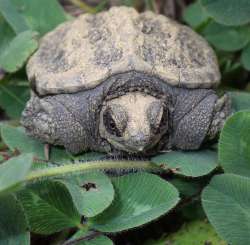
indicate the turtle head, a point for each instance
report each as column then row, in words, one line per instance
column 134, row 122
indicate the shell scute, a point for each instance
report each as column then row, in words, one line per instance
column 82, row 53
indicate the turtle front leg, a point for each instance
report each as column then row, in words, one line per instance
column 222, row 111
column 199, row 116
column 49, row 121
column 37, row 119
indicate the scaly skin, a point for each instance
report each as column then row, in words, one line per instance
column 222, row 109
column 73, row 120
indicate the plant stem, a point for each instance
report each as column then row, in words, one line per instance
column 90, row 166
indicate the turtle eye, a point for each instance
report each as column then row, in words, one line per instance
column 110, row 124
column 164, row 119
column 158, row 117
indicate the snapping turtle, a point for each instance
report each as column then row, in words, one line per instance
column 124, row 81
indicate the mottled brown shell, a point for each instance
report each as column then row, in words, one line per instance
column 82, row 53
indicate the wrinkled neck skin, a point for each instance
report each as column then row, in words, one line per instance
column 144, row 99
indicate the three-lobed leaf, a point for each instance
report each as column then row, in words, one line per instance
column 226, row 201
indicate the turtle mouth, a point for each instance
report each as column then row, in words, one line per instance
column 127, row 152
column 137, row 148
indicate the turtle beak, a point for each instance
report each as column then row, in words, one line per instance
column 139, row 142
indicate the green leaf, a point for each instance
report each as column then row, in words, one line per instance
column 139, row 198
column 92, row 193
column 228, row 12
column 245, row 58
column 129, row 3
column 234, row 144
column 11, row 15
column 192, row 164
column 6, row 34
column 13, row 225
column 195, row 15
column 13, row 98
column 187, row 187
column 227, row 38
column 100, row 240
column 192, row 210
column 14, row 171
column 196, row 232
column 49, row 207
column 41, row 16
column 16, row 139
column 226, row 201
column 1, row 157
column 18, row 51
column 240, row 100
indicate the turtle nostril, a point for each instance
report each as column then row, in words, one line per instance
column 139, row 138
column 139, row 142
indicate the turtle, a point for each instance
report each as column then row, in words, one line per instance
column 121, row 81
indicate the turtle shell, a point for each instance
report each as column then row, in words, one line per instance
column 81, row 53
